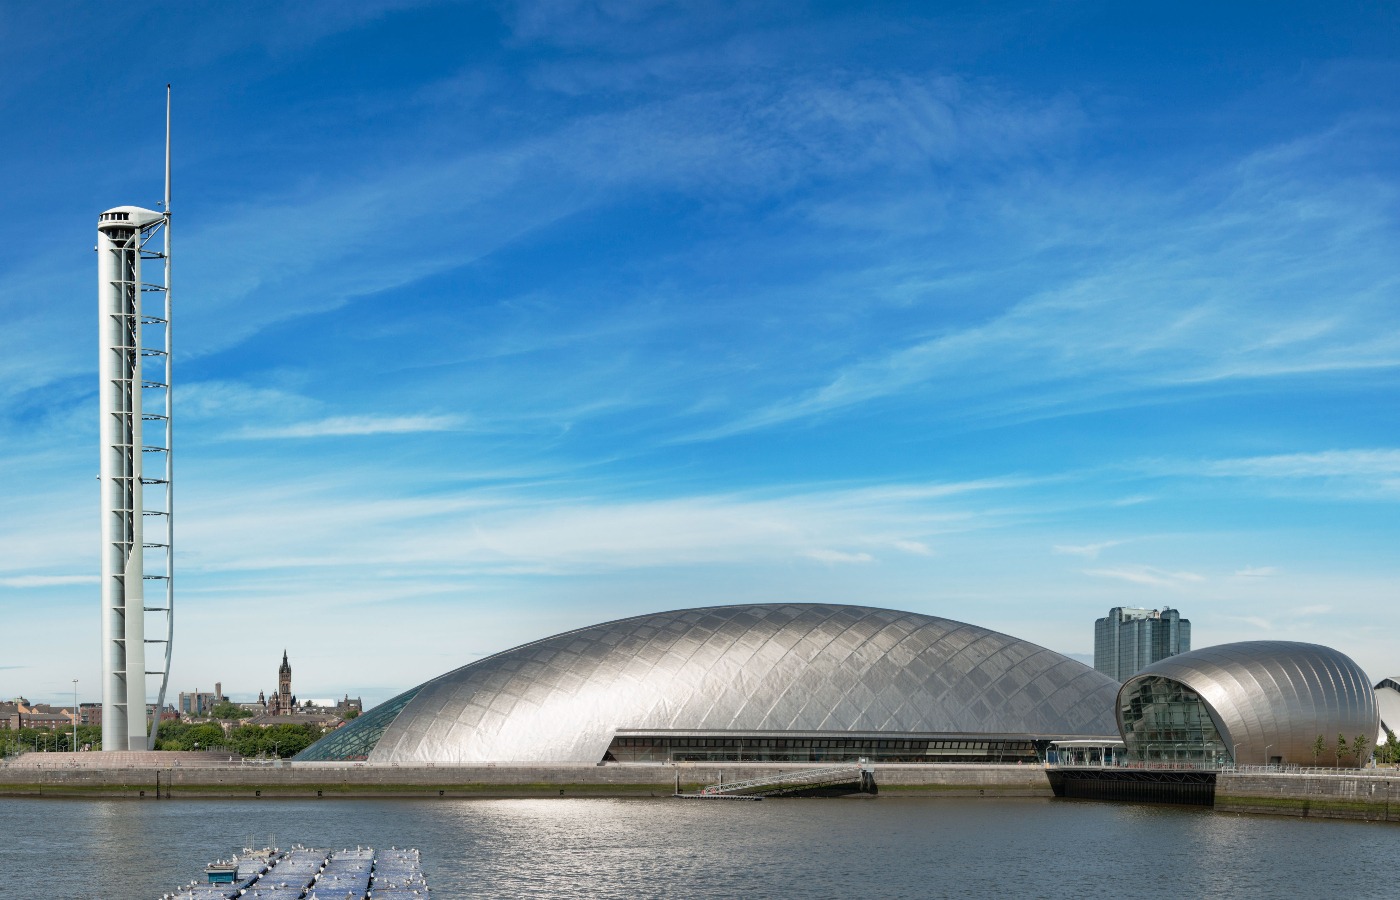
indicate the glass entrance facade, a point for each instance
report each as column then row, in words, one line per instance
column 353, row 741
column 1165, row 721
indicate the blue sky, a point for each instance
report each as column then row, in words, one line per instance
column 499, row 319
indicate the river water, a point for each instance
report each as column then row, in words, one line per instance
column 882, row 847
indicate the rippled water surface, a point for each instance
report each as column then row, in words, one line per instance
column 884, row 847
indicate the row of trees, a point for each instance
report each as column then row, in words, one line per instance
column 246, row 740
column 230, row 711
column 1389, row 752
column 57, row 739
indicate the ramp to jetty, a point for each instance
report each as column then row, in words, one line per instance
column 848, row 779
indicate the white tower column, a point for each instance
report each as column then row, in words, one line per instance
column 120, row 234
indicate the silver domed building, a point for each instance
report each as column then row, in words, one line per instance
column 1251, row 703
column 800, row 682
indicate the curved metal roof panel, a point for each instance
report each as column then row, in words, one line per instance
column 764, row 668
column 1274, row 698
column 1388, row 700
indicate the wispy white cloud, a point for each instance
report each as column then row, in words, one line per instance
column 39, row 581
column 545, row 528
column 232, row 400
column 1147, row 575
column 836, row 556
column 1258, row 623
column 1365, row 474
column 349, row 426
column 722, row 139
column 1089, row 551
column 1216, row 301
column 1070, row 352
column 1370, row 463
column 1256, row 572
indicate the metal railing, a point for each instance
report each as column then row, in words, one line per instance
column 1377, row 772
column 1163, row 765
column 1202, row 766
column 787, row 780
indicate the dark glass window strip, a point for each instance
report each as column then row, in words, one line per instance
column 673, row 748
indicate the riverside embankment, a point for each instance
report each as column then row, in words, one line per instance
column 1369, row 795
column 65, row 775
column 1373, row 796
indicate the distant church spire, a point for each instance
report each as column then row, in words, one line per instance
column 284, row 685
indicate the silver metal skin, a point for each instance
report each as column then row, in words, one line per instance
column 769, row 668
column 1272, row 699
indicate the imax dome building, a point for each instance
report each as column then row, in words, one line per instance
column 1251, row 703
column 792, row 682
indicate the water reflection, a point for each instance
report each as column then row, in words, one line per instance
column 886, row 847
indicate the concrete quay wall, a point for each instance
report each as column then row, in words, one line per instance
column 326, row 781
column 1369, row 797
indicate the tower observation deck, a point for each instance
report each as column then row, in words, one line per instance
column 134, row 346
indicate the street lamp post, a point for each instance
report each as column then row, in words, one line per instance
column 74, row 748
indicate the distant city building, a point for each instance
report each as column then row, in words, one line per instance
column 167, row 713
column 284, row 704
column 90, row 713
column 1128, row 639
column 201, row 703
column 339, row 707
column 283, row 700
column 20, row 713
